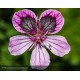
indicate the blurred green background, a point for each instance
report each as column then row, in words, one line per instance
column 71, row 31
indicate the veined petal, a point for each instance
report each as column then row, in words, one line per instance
column 19, row 44
column 51, row 21
column 25, row 21
column 40, row 58
column 58, row 45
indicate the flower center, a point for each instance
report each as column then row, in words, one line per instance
column 38, row 38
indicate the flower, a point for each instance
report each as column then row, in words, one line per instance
column 38, row 36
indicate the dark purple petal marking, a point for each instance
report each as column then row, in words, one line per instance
column 51, row 21
column 29, row 25
column 25, row 21
column 50, row 47
column 48, row 23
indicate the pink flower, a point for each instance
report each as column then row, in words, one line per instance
column 38, row 36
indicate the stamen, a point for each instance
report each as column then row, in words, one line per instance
column 45, row 33
column 32, row 45
column 29, row 35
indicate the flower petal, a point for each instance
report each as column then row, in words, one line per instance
column 57, row 45
column 40, row 58
column 24, row 21
column 51, row 21
column 19, row 44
